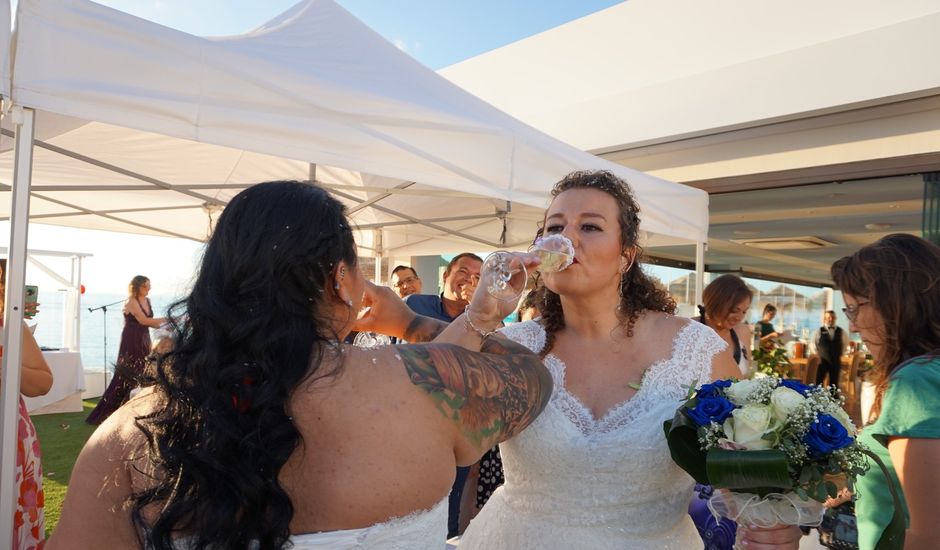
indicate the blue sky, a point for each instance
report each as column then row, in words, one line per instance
column 437, row 33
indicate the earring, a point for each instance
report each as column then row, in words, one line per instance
column 620, row 286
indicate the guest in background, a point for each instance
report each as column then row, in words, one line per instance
column 405, row 281
column 460, row 280
column 726, row 301
column 35, row 380
column 135, row 346
column 829, row 342
column 529, row 307
column 766, row 329
column 892, row 299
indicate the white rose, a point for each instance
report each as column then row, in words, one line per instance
column 784, row 401
column 843, row 418
column 748, row 425
column 740, row 392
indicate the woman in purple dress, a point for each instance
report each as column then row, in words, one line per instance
column 135, row 346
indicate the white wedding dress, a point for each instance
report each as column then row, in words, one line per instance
column 576, row 482
column 421, row 530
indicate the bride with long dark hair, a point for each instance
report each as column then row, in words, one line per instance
column 262, row 429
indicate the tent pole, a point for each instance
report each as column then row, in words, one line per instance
column 379, row 252
column 77, row 312
column 699, row 271
column 13, row 319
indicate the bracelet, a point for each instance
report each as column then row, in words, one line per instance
column 483, row 333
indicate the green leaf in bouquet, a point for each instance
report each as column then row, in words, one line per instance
column 761, row 471
column 693, row 387
column 801, row 492
column 831, row 490
column 815, row 474
column 819, row 492
column 806, row 474
column 684, row 446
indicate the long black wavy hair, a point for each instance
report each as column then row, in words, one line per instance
column 253, row 329
column 638, row 290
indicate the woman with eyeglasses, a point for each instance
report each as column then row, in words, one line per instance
column 892, row 295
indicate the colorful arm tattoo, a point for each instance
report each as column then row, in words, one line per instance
column 492, row 395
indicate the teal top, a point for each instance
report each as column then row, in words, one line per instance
column 910, row 408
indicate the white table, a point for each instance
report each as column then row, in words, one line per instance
column 68, row 383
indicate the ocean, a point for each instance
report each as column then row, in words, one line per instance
column 94, row 325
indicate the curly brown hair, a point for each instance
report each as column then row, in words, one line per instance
column 638, row 290
column 900, row 276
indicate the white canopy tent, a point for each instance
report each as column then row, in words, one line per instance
column 142, row 128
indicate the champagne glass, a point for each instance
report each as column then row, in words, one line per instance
column 501, row 268
column 556, row 252
column 498, row 272
column 369, row 340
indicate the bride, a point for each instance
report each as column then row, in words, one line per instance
column 594, row 471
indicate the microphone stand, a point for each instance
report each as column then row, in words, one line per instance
column 104, row 324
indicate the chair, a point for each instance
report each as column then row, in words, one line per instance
column 812, row 367
column 850, row 387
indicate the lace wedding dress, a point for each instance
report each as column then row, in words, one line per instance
column 573, row 481
column 421, row 530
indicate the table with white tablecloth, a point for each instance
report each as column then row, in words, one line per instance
column 68, row 383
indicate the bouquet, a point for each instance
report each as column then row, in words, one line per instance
column 775, row 449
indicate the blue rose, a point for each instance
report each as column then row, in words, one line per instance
column 826, row 435
column 796, row 386
column 714, row 389
column 710, row 409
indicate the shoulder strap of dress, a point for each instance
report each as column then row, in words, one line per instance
column 529, row 333
column 738, row 350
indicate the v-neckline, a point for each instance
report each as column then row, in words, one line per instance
column 598, row 423
column 563, row 387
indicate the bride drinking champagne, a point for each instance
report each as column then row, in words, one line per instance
column 594, row 471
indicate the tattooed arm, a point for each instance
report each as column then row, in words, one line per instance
column 490, row 395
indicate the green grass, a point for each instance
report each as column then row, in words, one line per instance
column 61, row 437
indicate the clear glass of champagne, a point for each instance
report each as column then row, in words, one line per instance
column 556, row 252
column 498, row 273
column 501, row 269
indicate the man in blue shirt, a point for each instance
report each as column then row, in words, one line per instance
column 460, row 280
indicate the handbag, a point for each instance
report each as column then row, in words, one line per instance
column 839, row 528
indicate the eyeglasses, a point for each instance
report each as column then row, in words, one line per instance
column 403, row 282
column 851, row 312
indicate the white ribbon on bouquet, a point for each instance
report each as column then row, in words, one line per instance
column 773, row 509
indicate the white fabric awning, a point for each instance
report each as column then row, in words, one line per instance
column 181, row 123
